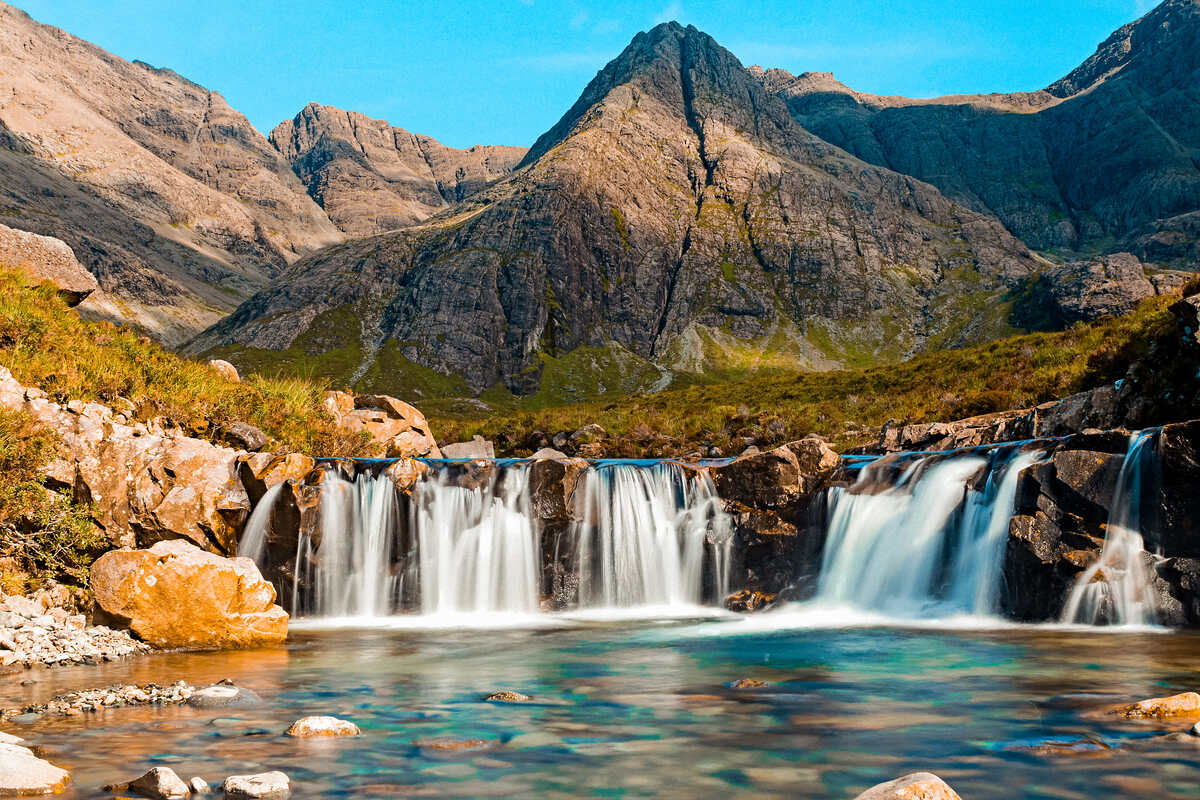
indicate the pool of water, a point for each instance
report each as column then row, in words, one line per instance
column 632, row 708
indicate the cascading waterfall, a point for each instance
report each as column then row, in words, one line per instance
column 1116, row 589
column 351, row 572
column 253, row 543
column 643, row 535
column 929, row 543
column 478, row 549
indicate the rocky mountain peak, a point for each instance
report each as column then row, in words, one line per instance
column 1172, row 26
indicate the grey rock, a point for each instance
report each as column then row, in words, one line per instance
column 243, row 436
column 223, row 695
column 478, row 447
column 45, row 258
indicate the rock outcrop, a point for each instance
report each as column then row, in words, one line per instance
column 175, row 595
column 371, row 177
column 146, row 484
column 46, row 259
column 397, row 429
column 676, row 210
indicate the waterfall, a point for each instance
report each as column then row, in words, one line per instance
column 643, row 534
column 351, row 572
column 1116, row 589
column 253, row 542
column 479, row 549
column 928, row 543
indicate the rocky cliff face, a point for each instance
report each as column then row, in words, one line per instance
column 678, row 213
column 1107, row 158
column 165, row 193
column 371, row 177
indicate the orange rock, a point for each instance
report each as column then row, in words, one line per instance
column 918, row 786
column 1186, row 703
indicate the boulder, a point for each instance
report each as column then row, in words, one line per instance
column 1177, row 705
column 262, row 786
column 160, row 783
column 478, row 447
column 176, row 595
column 259, row 472
column 400, row 430
column 917, row 786
column 199, row 786
column 243, row 436
column 1082, row 291
column 779, row 477
column 145, row 484
column 223, row 695
column 46, row 260
column 310, row 727
column 225, row 370
column 23, row 773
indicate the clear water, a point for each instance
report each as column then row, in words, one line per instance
column 640, row 709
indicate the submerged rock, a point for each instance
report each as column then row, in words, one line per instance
column 114, row 696
column 747, row 683
column 23, row 773
column 176, row 595
column 309, row 727
column 917, row 786
column 508, row 697
column 1183, row 704
column 160, row 783
column 223, row 695
column 262, row 786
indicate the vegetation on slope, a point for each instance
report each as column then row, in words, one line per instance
column 847, row 406
column 46, row 345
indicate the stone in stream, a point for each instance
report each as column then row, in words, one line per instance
column 199, row 786
column 508, row 696
column 747, row 683
column 177, row 595
column 309, row 727
column 160, row 783
column 23, row 773
column 262, row 786
column 1184, row 704
column 223, row 695
column 917, row 786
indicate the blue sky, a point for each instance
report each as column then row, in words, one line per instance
column 502, row 72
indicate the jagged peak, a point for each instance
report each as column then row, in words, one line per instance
column 1160, row 27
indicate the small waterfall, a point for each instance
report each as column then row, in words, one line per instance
column 478, row 549
column 643, row 535
column 351, row 572
column 253, row 542
column 1116, row 589
column 928, row 543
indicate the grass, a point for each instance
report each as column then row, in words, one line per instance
column 47, row 345
column 848, row 406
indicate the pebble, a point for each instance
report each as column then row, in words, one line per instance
column 31, row 634
column 90, row 700
column 263, row 786
column 322, row 726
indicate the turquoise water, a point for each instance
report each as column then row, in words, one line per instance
column 640, row 709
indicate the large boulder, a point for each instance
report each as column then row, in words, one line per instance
column 46, row 260
column 145, row 483
column 1081, row 291
column 400, row 430
column 175, row 595
column 22, row 773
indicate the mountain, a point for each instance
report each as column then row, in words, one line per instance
column 676, row 218
column 1104, row 160
column 370, row 177
column 169, row 196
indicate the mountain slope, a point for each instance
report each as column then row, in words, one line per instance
column 371, row 177
column 677, row 218
column 166, row 193
column 1108, row 158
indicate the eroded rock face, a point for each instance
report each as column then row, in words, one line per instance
column 146, row 484
column 176, row 595
column 371, row 177
column 399, row 429
column 45, row 258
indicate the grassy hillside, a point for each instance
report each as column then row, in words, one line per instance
column 848, row 406
column 47, row 345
